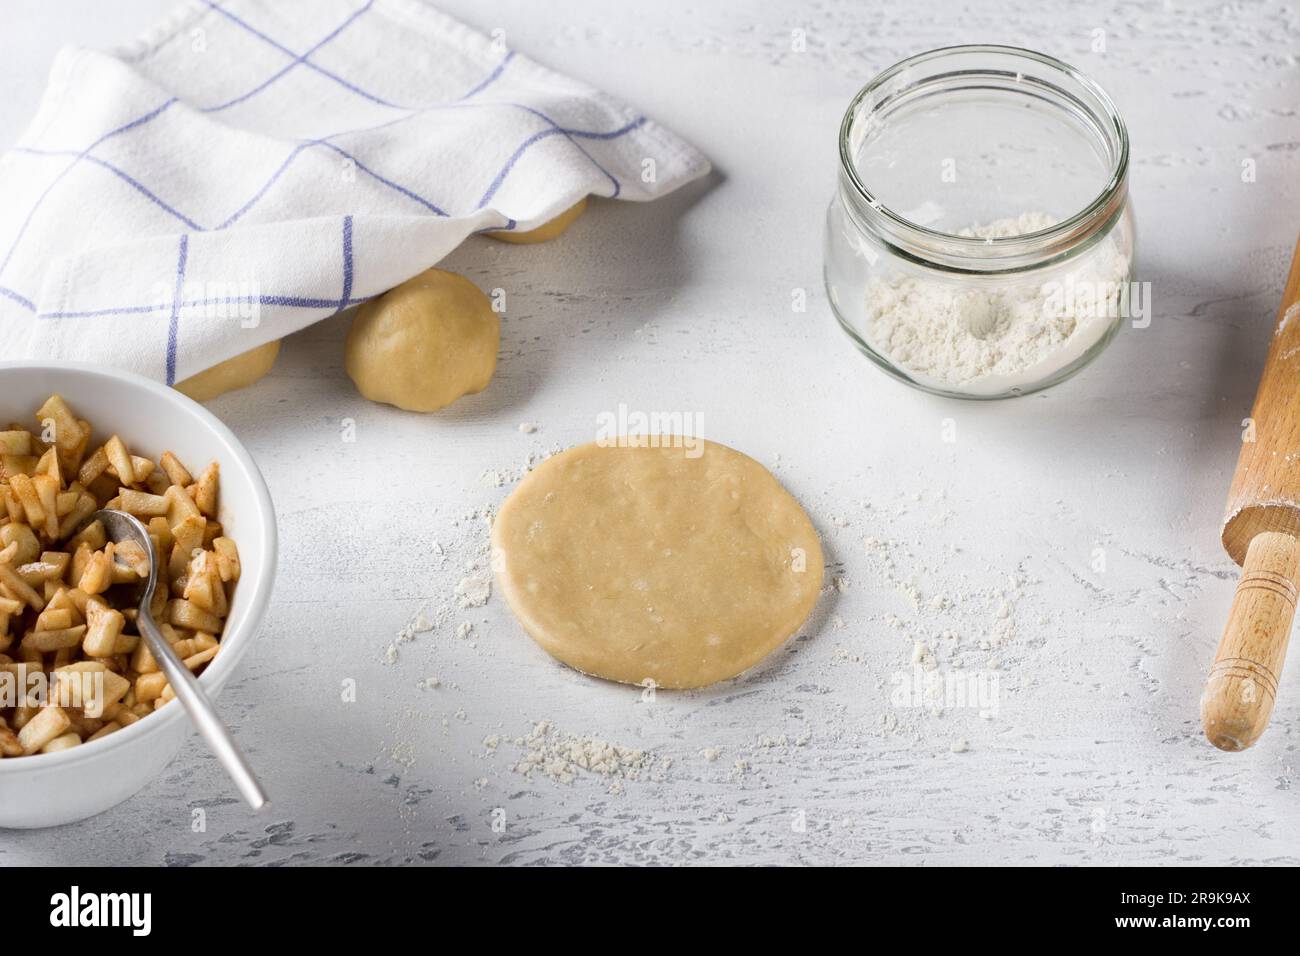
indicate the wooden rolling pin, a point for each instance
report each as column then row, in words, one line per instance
column 1262, row 533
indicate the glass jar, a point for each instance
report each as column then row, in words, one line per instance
column 980, row 243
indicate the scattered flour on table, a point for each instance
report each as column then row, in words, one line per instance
column 562, row 757
column 1005, row 335
column 500, row 477
column 465, row 540
column 942, row 637
column 463, row 547
column 474, row 590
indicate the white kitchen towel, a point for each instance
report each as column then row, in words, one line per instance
column 250, row 167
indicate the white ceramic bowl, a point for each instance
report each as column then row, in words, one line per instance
column 48, row 789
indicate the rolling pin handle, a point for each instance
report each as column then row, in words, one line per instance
column 1242, row 685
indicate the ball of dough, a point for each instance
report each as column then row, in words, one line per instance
column 424, row 344
column 637, row 562
column 233, row 373
column 547, row 230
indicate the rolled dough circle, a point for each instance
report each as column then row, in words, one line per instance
column 547, row 230
column 238, row 372
column 636, row 562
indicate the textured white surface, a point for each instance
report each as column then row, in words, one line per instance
column 1094, row 755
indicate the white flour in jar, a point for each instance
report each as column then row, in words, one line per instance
column 985, row 336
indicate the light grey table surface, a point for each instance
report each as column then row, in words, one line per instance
column 1065, row 545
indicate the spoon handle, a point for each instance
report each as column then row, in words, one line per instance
column 199, row 707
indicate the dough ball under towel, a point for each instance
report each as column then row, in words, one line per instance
column 636, row 562
column 238, row 372
column 547, row 230
column 424, row 344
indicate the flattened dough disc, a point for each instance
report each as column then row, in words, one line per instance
column 680, row 565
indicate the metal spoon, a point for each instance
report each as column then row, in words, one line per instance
column 123, row 527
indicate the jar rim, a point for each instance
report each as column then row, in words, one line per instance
column 920, row 243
